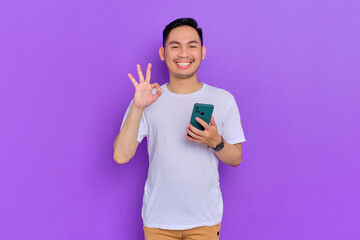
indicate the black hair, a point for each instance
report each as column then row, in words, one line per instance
column 181, row 22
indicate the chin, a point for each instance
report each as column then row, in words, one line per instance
column 184, row 76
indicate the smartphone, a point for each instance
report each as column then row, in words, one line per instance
column 203, row 111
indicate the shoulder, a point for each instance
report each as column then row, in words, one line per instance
column 220, row 93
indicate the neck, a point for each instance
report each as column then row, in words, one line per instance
column 184, row 85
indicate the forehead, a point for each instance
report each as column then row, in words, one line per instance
column 183, row 34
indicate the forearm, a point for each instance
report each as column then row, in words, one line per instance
column 230, row 154
column 126, row 143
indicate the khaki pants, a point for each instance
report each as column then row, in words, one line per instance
column 198, row 233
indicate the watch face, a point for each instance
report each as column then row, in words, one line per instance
column 220, row 146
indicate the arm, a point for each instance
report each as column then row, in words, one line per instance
column 126, row 143
column 231, row 154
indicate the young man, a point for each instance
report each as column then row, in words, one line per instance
column 182, row 196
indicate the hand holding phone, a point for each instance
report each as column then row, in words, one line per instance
column 203, row 111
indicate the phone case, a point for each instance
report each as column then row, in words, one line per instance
column 203, row 111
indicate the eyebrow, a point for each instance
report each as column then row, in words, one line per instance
column 175, row 42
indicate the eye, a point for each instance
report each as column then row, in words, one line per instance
column 192, row 46
column 174, row 47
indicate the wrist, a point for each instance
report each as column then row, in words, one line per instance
column 137, row 108
column 217, row 141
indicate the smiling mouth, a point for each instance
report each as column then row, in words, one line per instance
column 183, row 65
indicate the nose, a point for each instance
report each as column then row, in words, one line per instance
column 183, row 53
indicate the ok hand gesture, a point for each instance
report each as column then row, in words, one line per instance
column 143, row 90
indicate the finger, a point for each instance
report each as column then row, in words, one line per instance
column 191, row 139
column 158, row 90
column 148, row 73
column 155, row 85
column 157, row 94
column 213, row 121
column 192, row 134
column 203, row 123
column 133, row 79
column 195, row 130
column 141, row 76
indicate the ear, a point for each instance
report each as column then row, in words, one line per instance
column 161, row 53
column 203, row 52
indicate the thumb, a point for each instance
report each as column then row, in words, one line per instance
column 212, row 121
column 158, row 93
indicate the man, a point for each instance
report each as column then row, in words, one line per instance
column 182, row 197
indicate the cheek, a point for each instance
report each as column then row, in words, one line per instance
column 169, row 57
column 197, row 55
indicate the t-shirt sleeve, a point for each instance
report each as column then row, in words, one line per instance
column 232, row 128
column 143, row 128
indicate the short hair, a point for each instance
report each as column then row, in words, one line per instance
column 181, row 22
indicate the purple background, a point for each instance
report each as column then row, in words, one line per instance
column 293, row 67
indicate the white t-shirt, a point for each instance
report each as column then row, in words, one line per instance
column 182, row 190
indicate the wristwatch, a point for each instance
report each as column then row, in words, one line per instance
column 219, row 146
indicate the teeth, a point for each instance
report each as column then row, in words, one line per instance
column 183, row 64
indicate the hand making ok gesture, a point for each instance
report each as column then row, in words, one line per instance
column 143, row 90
